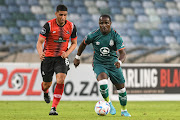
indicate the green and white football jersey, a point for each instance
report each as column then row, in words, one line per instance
column 105, row 46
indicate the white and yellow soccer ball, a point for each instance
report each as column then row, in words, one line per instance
column 102, row 108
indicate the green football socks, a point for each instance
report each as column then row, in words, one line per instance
column 103, row 85
column 122, row 98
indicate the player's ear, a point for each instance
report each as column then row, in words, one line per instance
column 110, row 22
column 56, row 14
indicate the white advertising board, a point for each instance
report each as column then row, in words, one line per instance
column 22, row 81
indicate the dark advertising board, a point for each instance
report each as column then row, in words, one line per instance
column 151, row 79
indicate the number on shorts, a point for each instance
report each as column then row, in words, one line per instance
column 66, row 61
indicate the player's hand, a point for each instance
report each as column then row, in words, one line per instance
column 117, row 64
column 76, row 62
column 41, row 56
column 64, row 55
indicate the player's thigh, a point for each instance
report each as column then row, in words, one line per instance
column 61, row 65
column 116, row 76
column 47, row 69
column 100, row 72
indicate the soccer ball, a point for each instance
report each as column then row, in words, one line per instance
column 102, row 108
column 17, row 81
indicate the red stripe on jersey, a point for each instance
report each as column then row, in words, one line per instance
column 58, row 38
column 121, row 48
column 42, row 36
column 74, row 38
column 85, row 42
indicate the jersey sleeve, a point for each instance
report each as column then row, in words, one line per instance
column 119, row 43
column 87, row 39
column 45, row 30
column 74, row 33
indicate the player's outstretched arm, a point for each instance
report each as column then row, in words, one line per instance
column 71, row 48
column 80, row 50
column 40, row 48
column 122, row 58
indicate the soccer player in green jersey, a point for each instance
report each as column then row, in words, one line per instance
column 106, row 42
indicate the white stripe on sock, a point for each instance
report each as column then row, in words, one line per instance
column 122, row 90
column 123, row 110
column 103, row 82
column 57, row 95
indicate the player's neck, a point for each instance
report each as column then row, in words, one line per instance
column 60, row 24
column 105, row 33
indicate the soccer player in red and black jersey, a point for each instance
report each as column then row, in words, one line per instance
column 55, row 35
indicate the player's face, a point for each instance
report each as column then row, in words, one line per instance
column 61, row 17
column 105, row 25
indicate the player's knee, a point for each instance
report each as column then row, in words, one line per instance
column 60, row 81
column 119, row 86
column 60, row 78
column 101, row 76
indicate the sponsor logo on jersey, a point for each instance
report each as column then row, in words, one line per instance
column 60, row 40
column 97, row 43
column 111, row 43
column 67, row 32
column 105, row 51
column 54, row 31
column 43, row 31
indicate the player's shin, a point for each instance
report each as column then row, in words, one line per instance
column 45, row 91
column 122, row 98
column 103, row 86
column 57, row 94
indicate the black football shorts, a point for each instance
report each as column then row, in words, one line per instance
column 53, row 64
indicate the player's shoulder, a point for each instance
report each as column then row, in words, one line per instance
column 69, row 23
column 94, row 33
column 52, row 20
column 114, row 32
column 115, row 35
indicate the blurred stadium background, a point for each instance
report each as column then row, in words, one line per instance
column 150, row 28
column 151, row 33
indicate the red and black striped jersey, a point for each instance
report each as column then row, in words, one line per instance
column 57, row 37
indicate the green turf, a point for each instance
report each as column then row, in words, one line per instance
column 76, row 110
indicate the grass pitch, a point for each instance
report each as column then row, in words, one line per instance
column 84, row 110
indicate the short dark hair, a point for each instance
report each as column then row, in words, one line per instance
column 61, row 8
column 106, row 16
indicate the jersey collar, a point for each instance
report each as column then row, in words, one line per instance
column 63, row 25
column 106, row 34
